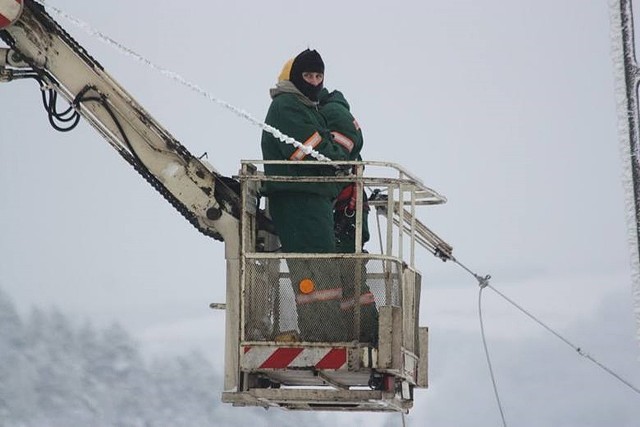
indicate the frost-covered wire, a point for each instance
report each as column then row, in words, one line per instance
column 184, row 82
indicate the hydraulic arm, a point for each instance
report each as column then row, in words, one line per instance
column 40, row 49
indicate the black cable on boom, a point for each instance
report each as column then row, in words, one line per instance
column 62, row 121
column 82, row 97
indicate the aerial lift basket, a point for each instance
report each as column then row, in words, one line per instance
column 364, row 352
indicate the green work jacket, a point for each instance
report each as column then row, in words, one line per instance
column 343, row 126
column 296, row 116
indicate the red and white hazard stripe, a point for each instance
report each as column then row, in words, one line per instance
column 10, row 11
column 263, row 357
column 312, row 142
column 318, row 296
column 365, row 299
column 346, row 142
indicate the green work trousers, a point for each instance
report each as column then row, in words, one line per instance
column 304, row 223
column 352, row 273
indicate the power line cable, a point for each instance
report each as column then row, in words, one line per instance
column 484, row 282
column 486, row 352
column 579, row 350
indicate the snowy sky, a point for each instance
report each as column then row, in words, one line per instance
column 505, row 107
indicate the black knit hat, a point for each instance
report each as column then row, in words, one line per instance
column 307, row 61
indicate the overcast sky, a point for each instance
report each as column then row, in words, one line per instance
column 505, row 107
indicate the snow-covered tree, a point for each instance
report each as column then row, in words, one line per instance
column 53, row 373
column 16, row 391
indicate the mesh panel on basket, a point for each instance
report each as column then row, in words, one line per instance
column 336, row 310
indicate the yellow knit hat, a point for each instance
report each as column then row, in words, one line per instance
column 285, row 74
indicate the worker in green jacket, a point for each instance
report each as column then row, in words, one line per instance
column 347, row 132
column 302, row 212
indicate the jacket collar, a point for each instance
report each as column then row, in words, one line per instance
column 285, row 86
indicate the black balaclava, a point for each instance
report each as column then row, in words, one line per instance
column 307, row 61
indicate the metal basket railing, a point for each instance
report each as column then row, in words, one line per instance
column 347, row 289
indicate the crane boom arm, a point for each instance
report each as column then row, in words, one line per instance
column 41, row 49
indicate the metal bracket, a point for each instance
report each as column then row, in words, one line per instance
column 10, row 57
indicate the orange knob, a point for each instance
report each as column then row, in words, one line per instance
column 306, row 286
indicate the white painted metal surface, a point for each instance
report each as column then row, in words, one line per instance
column 10, row 11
